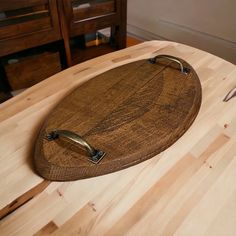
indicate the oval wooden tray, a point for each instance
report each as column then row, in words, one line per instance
column 132, row 113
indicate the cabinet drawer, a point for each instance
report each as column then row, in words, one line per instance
column 14, row 22
column 26, row 24
column 30, row 70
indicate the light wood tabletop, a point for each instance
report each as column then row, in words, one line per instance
column 189, row 189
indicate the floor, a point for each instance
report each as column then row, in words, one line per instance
column 132, row 41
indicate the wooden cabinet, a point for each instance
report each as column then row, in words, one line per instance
column 26, row 24
column 29, row 23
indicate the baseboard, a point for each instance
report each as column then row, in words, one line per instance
column 141, row 34
column 172, row 32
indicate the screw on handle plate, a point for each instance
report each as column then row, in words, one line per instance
column 95, row 156
column 184, row 70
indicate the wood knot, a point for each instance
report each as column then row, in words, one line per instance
column 226, row 126
column 59, row 193
column 92, row 205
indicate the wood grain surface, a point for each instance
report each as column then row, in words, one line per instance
column 132, row 113
column 189, row 189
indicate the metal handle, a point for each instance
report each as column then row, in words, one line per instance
column 230, row 94
column 184, row 70
column 95, row 155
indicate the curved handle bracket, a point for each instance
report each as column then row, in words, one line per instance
column 184, row 70
column 95, row 156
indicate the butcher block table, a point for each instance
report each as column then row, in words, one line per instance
column 189, row 189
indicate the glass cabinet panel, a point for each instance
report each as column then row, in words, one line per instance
column 87, row 9
column 21, row 15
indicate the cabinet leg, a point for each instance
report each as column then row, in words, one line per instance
column 118, row 35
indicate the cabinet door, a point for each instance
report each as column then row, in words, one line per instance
column 84, row 16
column 27, row 23
column 81, row 17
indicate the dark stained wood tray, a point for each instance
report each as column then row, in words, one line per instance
column 118, row 119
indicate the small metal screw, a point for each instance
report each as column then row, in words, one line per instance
column 98, row 156
column 186, row 70
column 152, row 60
column 51, row 136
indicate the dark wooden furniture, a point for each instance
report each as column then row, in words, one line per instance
column 26, row 24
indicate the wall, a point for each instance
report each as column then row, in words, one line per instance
column 209, row 25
